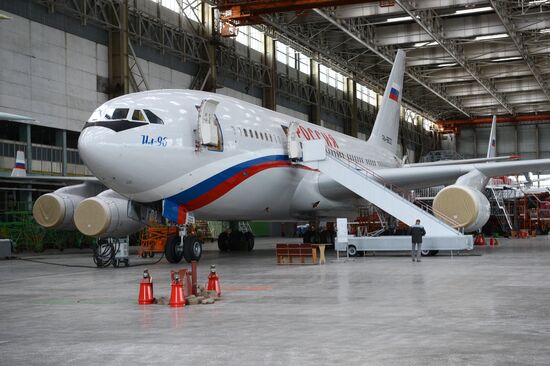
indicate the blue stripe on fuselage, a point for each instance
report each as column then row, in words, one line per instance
column 203, row 187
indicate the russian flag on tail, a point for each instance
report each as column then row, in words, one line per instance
column 19, row 170
column 394, row 94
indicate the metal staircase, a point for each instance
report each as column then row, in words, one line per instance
column 501, row 213
column 364, row 182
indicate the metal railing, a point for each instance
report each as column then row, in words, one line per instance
column 398, row 191
column 46, row 159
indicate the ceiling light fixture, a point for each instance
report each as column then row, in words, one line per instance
column 447, row 65
column 507, row 59
column 474, row 10
column 398, row 19
column 491, row 36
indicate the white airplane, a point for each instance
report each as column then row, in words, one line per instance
column 193, row 154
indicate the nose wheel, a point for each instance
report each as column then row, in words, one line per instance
column 190, row 249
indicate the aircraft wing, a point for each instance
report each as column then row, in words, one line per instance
column 429, row 176
column 461, row 161
column 47, row 179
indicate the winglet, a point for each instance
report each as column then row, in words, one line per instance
column 492, row 149
column 386, row 127
column 20, row 168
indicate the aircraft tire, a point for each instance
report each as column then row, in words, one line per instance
column 192, row 248
column 235, row 240
column 223, row 242
column 429, row 253
column 174, row 250
column 249, row 239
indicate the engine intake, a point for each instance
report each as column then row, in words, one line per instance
column 56, row 209
column 106, row 215
column 467, row 207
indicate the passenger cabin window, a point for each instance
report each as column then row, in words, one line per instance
column 256, row 134
column 245, row 133
column 153, row 118
column 251, row 134
column 118, row 113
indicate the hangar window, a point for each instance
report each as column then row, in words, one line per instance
column 365, row 94
column 118, row 113
column 251, row 37
column 153, row 118
column 190, row 8
column 331, row 77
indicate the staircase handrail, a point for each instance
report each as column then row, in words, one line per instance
column 400, row 192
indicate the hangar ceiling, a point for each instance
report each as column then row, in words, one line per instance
column 465, row 58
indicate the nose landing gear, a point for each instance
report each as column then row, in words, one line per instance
column 186, row 245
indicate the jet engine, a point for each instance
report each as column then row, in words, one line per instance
column 56, row 209
column 462, row 207
column 107, row 214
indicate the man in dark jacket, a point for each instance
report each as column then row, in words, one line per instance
column 416, row 232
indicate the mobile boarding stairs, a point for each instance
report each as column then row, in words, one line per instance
column 365, row 183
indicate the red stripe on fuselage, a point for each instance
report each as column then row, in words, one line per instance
column 235, row 180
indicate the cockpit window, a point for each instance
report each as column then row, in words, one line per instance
column 118, row 113
column 153, row 118
column 138, row 116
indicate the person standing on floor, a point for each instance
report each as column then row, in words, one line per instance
column 416, row 232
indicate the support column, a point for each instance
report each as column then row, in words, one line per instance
column 209, row 32
column 351, row 93
column 315, row 109
column 29, row 148
column 61, row 140
column 269, row 58
column 537, row 143
column 119, row 76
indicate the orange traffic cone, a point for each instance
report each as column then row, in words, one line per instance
column 214, row 281
column 177, row 300
column 146, row 289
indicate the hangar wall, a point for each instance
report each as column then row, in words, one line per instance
column 49, row 74
column 530, row 141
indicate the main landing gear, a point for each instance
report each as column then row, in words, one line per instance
column 235, row 240
column 184, row 245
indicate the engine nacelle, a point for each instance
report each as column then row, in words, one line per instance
column 467, row 207
column 107, row 214
column 55, row 210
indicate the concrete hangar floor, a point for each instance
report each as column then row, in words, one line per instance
column 490, row 307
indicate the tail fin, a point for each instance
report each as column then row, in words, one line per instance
column 492, row 149
column 20, row 168
column 386, row 126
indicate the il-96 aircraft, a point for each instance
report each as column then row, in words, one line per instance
column 191, row 154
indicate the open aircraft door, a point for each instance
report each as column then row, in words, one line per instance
column 294, row 144
column 209, row 132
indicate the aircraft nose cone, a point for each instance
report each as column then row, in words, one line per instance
column 97, row 149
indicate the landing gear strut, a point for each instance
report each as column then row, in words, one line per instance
column 235, row 240
column 185, row 245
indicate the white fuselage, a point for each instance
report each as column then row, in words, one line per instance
column 245, row 177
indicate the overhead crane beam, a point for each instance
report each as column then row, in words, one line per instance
column 428, row 20
column 524, row 118
column 504, row 12
column 248, row 12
